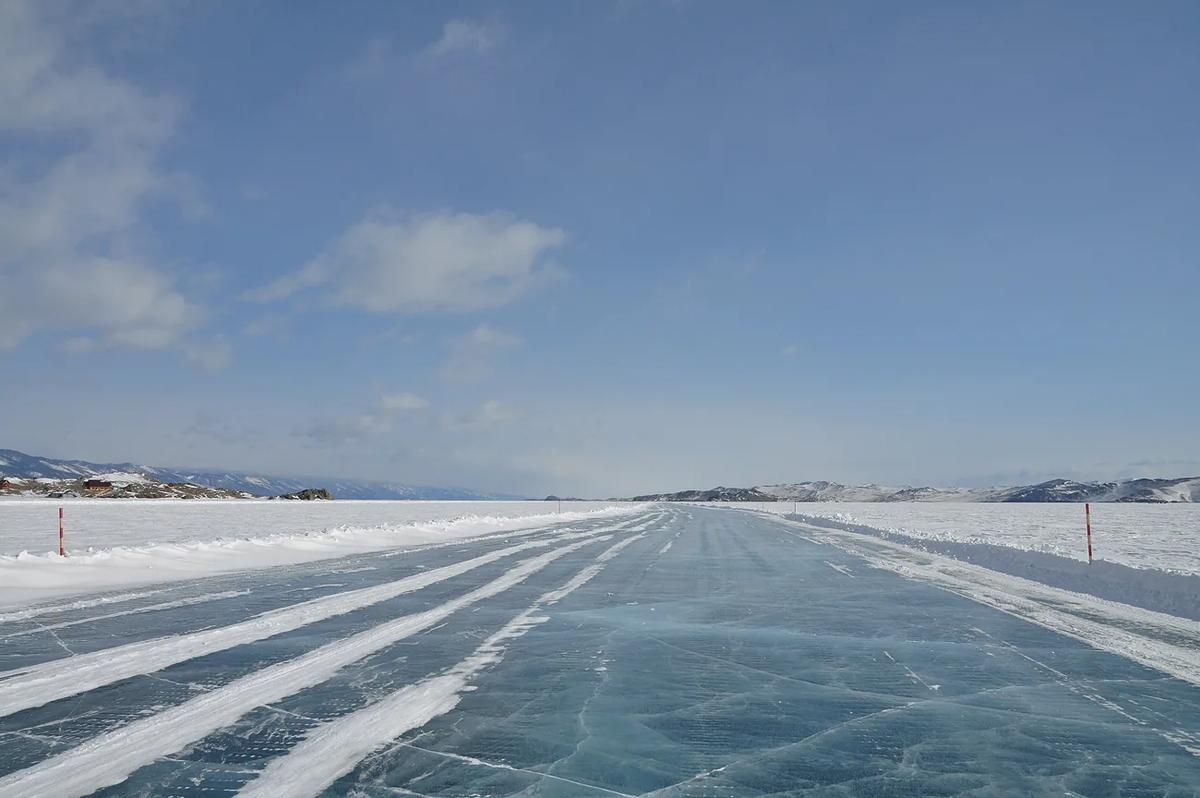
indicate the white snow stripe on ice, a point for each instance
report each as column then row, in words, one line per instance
column 50, row 681
column 109, row 758
column 333, row 749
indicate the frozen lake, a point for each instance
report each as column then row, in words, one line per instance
column 676, row 651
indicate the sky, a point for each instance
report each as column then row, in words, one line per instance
column 602, row 248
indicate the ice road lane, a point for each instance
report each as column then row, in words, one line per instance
column 684, row 651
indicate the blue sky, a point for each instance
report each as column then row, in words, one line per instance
column 603, row 247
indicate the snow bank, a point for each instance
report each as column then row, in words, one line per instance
column 1161, row 591
column 122, row 543
column 1163, row 537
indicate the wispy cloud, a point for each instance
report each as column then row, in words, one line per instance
column 489, row 415
column 376, row 421
column 402, row 401
column 213, row 354
column 73, row 255
column 441, row 262
column 459, row 37
column 472, row 356
column 791, row 350
column 275, row 326
column 467, row 36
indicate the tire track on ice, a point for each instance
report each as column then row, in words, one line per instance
column 333, row 749
column 40, row 684
column 166, row 605
column 111, row 757
column 1071, row 614
column 33, row 612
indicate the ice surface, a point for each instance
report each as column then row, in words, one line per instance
column 751, row 657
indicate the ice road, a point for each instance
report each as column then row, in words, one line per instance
column 679, row 651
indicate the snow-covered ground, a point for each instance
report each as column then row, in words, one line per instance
column 129, row 542
column 1163, row 537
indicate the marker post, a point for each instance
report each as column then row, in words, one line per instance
column 62, row 552
column 1087, row 510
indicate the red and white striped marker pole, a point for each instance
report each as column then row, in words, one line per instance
column 62, row 552
column 1087, row 509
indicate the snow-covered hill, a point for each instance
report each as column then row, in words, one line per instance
column 717, row 494
column 18, row 464
column 834, row 492
column 1184, row 489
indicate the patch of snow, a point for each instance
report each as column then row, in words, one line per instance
column 1154, row 536
column 124, row 478
column 132, row 542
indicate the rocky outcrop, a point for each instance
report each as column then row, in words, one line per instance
column 308, row 494
column 130, row 486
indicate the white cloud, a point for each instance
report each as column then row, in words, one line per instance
column 472, row 356
column 443, row 262
column 337, row 432
column 465, row 36
column 211, row 355
column 81, row 345
column 790, row 350
column 276, row 326
column 382, row 56
column 488, row 416
column 486, row 336
column 374, row 422
column 403, row 401
column 72, row 257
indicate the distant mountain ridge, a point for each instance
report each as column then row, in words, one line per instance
column 717, row 494
column 25, row 466
column 1158, row 491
